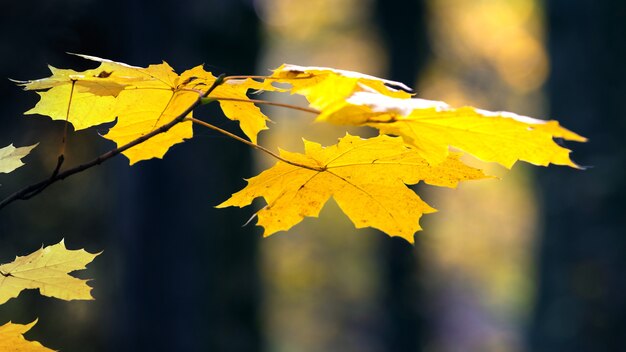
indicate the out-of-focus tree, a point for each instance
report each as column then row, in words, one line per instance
column 404, row 36
column 581, row 304
column 155, row 239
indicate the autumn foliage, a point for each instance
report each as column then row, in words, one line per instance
column 152, row 110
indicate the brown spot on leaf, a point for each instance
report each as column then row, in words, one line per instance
column 104, row 74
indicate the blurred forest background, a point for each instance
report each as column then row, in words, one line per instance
column 532, row 262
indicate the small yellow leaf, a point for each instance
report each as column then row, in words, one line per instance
column 48, row 270
column 11, row 157
column 251, row 119
column 433, row 126
column 367, row 178
column 12, row 339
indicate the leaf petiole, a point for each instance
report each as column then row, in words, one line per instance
column 271, row 103
column 207, row 100
column 228, row 78
column 253, row 145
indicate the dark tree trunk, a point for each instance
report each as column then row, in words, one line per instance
column 176, row 274
column 581, row 302
column 193, row 279
column 404, row 33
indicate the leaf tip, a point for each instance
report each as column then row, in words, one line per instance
column 580, row 167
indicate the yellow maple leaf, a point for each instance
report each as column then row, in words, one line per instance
column 11, row 157
column 12, row 338
column 151, row 98
column 251, row 119
column 433, row 126
column 47, row 269
column 83, row 98
column 142, row 100
column 324, row 87
column 367, row 178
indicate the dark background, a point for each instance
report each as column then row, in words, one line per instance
column 177, row 274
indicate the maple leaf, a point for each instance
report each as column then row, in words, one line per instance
column 433, row 126
column 12, row 338
column 83, row 98
column 151, row 98
column 11, row 157
column 324, row 87
column 251, row 119
column 142, row 100
column 367, row 178
column 47, row 269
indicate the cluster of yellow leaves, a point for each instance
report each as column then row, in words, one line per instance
column 46, row 269
column 431, row 127
column 140, row 100
column 367, row 177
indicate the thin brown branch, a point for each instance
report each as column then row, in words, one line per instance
column 35, row 192
column 34, row 189
column 228, row 78
column 253, row 145
column 67, row 118
column 267, row 102
column 60, row 161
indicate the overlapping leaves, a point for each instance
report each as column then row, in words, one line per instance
column 140, row 100
column 46, row 269
column 367, row 177
column 431, row 127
